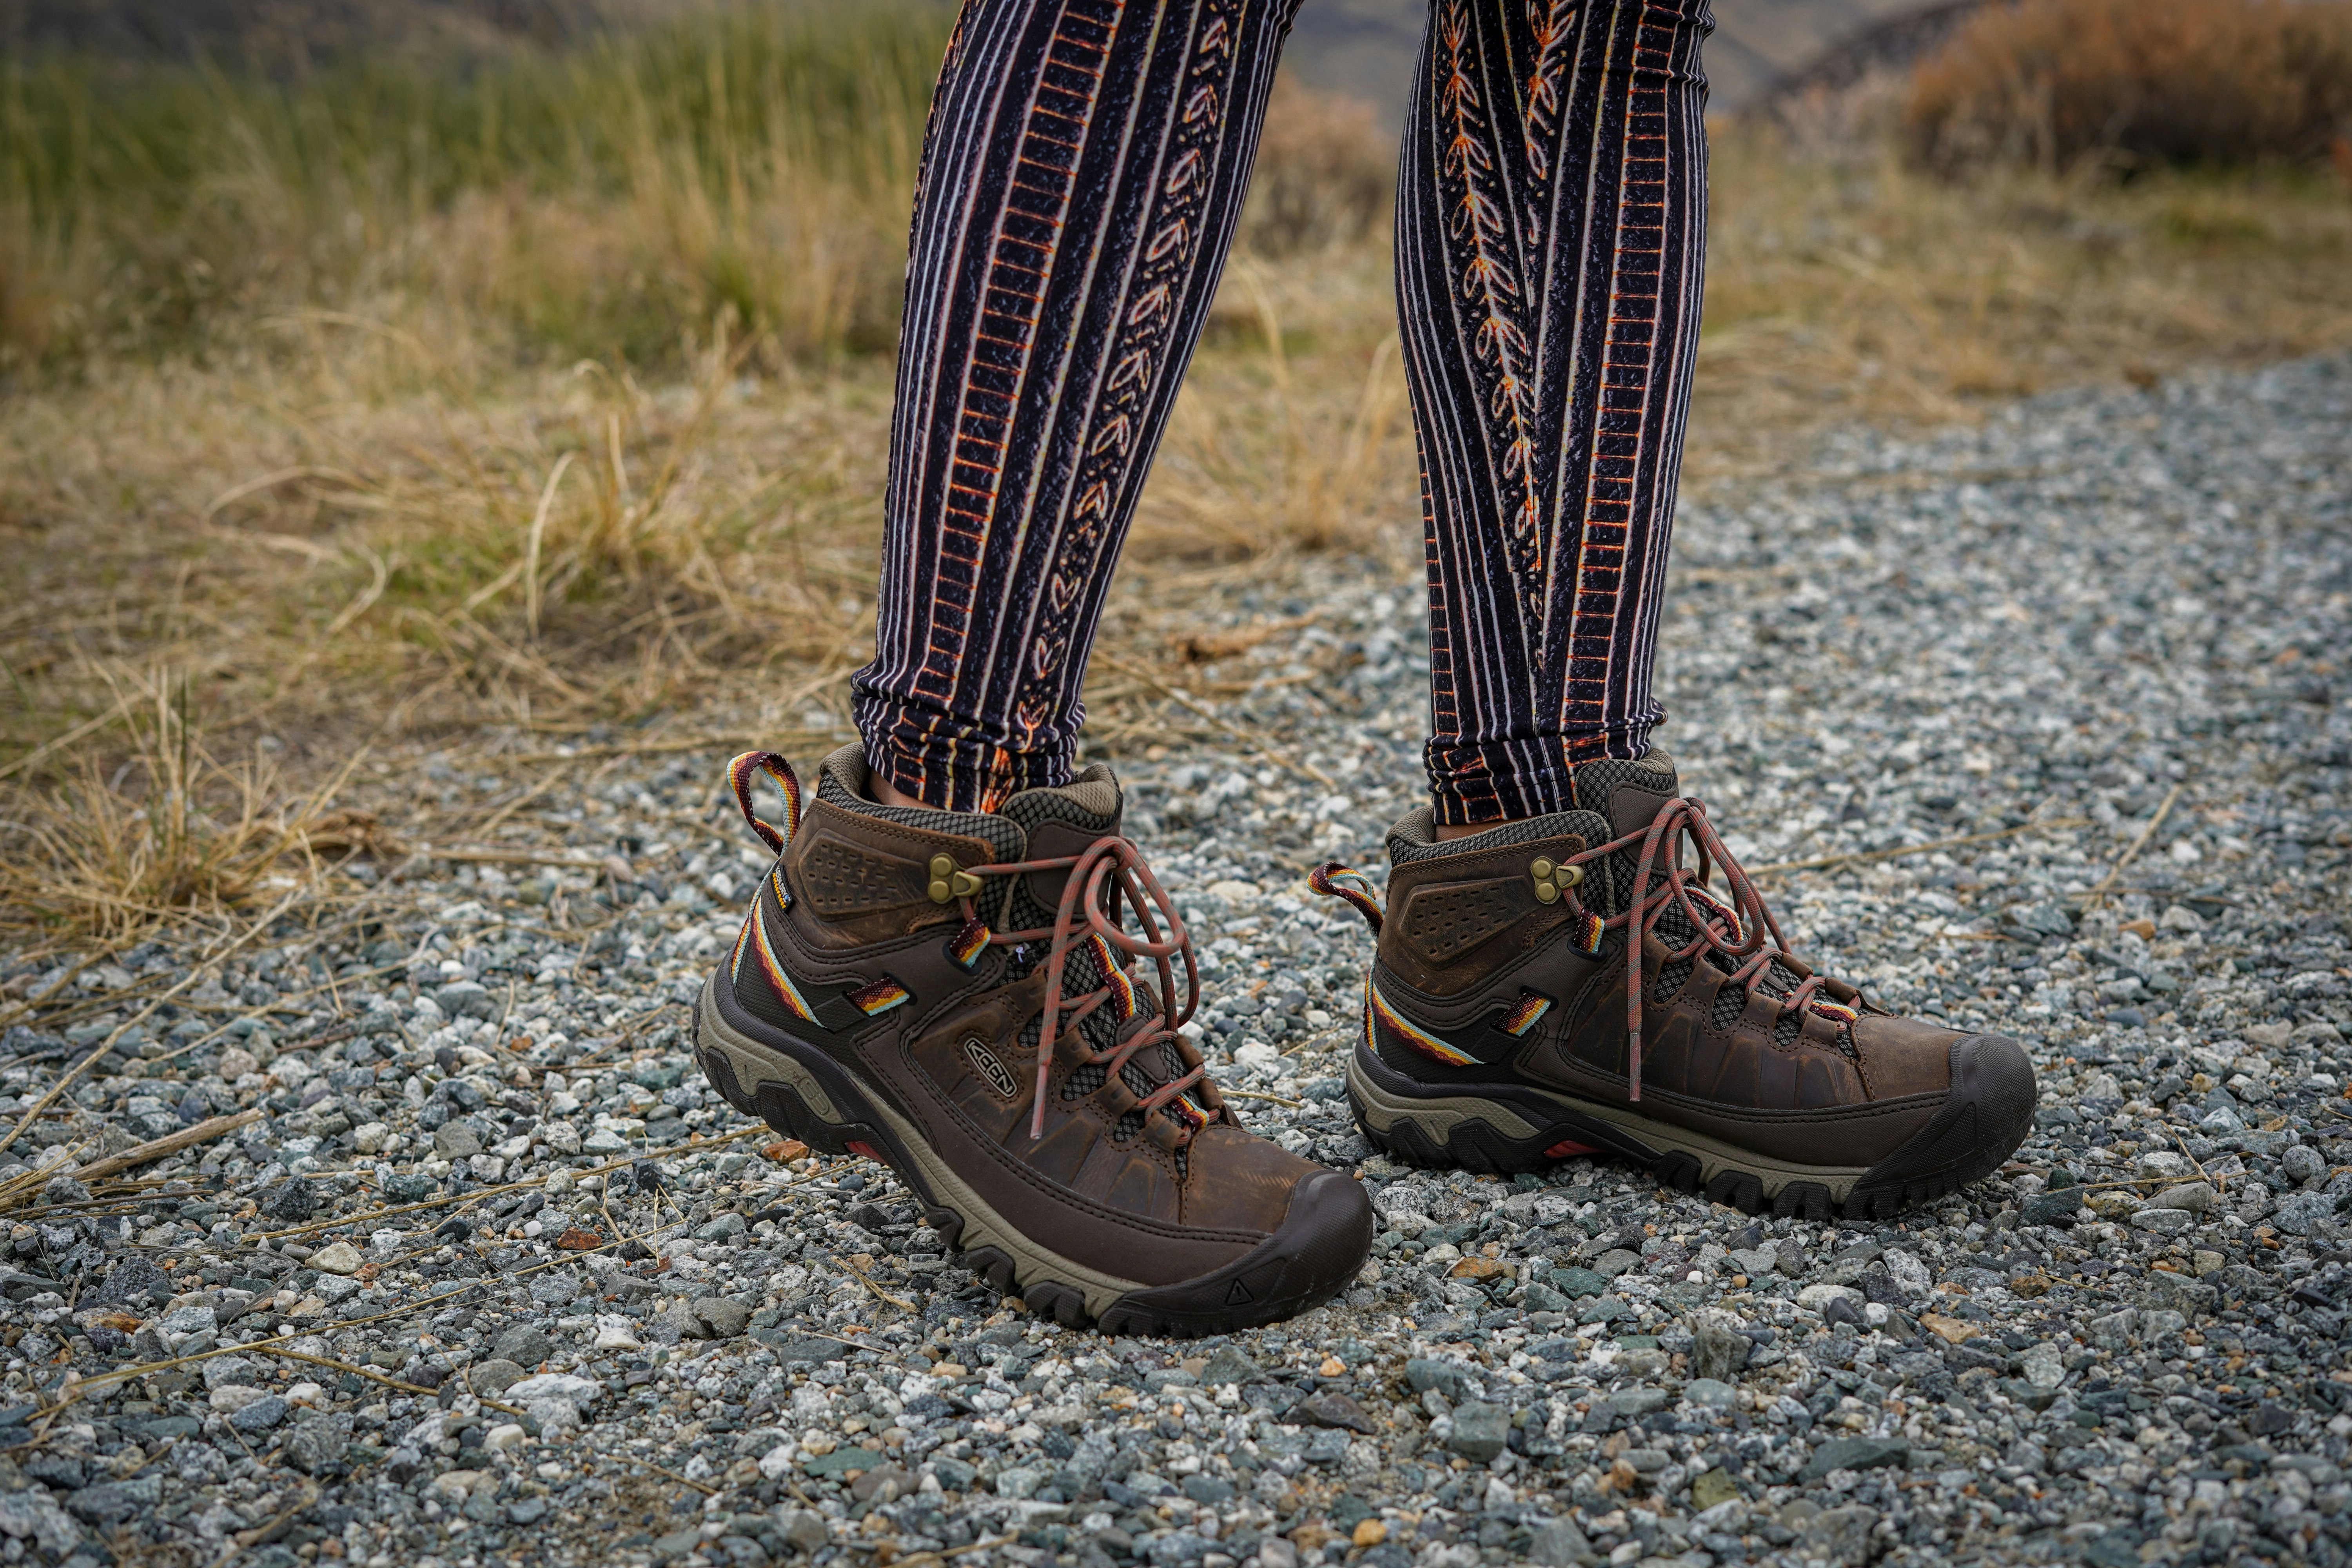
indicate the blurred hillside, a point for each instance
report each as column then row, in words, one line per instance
column 1367, row 48
column 1364, row 48
column 278, row 35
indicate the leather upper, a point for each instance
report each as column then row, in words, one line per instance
column 1468, row 947
column 951, row 1057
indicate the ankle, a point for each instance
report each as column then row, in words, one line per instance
column 888, row 794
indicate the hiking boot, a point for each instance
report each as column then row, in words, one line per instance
column 887, row 996
column 1500, row 1031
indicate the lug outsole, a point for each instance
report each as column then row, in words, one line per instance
column 1982, row 1122
column 1226, row 1303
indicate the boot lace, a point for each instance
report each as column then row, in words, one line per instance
column 1083, row 918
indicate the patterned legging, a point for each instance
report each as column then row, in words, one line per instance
column 1082, row 174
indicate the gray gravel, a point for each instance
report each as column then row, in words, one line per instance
column 2037, row 633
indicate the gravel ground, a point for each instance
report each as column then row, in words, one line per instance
column 492, row 1277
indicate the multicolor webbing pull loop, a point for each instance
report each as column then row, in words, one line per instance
column 1334, row 880
column 752, row 764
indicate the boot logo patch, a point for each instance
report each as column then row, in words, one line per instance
column 1238, row 1294
column 984, row 1061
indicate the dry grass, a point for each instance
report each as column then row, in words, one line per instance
column 2133, row 83
column 172, row 830
column 392, row 520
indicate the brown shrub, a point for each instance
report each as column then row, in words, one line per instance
column 2136, row 82
column 1325, row 174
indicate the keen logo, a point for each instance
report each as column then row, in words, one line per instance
column 984, row 1062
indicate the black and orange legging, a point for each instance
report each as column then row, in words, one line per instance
column 1082, row 174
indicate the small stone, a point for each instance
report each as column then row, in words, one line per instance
column 803, row 1531
column 1632, row 1402
column 1719, row 1354
column 494, row 1377
column 1951, row 1331
column 522, row 1345
column 337, row 1258
column 2043, row 1208
column 720, row 1318
column 1841, row 1536
column 726, row 1228
column 1333, row 1409
column 2305, row 1214
column 1709, row 1393
column 1908, row 1273
column 291, row 1201
column 64, row 1189
column 2196, row 1197
column 318, row 1441
column 1818, row 1297
column 370, row 1137
column 259, row 1416
column 617, row 1334
column 1578, row 1282
column 2164, row 1222
column 2303, row 1164
column 1369, row 1532
column 1480, row 1431
column 1230, row 1365
column 2043, row 1369
column 1423, row 1373
column 1615, row 1261
column 1712, row 1488
column 457, row 1140
column 1855, row 1453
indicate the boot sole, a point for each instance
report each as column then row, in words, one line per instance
column 1507, row 1129
column 805, row 1093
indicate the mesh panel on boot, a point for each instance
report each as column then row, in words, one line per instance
column 843, row 780
column 1414, row 836
column 1672, row 976
column 1594, row 782
column 1730, row 1002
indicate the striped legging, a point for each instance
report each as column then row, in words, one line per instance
column 1082, row 174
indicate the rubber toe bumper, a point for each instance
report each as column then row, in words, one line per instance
column 1322, row 1242
column 1983, row 1120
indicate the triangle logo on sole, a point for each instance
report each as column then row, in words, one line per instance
column 1238, row 1294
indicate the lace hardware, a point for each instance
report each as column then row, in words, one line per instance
column 950, row 881
column 1553, row 881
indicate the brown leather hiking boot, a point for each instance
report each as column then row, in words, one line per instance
column 886, row 997
column 1500, row 1030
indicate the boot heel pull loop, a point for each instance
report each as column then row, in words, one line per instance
column 772, row 767
column 1334, row 880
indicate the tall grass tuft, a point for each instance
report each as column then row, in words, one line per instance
column 2137, row 82
column 748, row 163
column 167, row 830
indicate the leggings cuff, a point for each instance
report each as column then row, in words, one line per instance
column 952, row 765
column 1499, row 781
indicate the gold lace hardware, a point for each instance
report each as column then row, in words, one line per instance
column 950, row 881
column 1552, row 880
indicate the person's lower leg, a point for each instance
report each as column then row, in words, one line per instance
column 1082, row 174
column 1549, row 244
